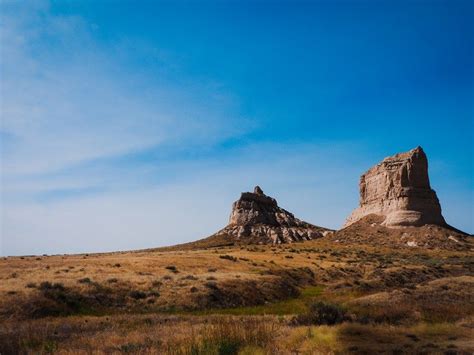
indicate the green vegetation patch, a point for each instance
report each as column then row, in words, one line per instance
column 291, row 306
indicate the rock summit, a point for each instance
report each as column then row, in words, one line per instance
column 398, row 188
column 257, row 218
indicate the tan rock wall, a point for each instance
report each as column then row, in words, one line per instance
column 399, row 189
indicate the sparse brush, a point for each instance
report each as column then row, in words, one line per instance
column 46, row 285
column 138, row 295
column 396, row 313
column 172, row 268
column 321, row 313
column 228, row 257
column 211, row 285
column 231, row 337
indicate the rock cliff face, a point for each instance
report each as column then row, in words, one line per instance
column 399, row 189
column 256, row 218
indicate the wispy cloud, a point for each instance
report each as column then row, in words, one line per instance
column 65, row 101
column 70, row 110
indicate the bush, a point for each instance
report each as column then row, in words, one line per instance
column 156, row 283
column 212, row 285
column 228, row 257
column 47, row 286
column 396, row 313
column 172, row 268
column 137, row 294
column 321, row 313
column 55, row 300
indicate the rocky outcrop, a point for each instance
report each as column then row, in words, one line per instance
column 399, row 189
column 257, row 218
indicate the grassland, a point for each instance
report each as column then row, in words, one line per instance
column 315, row 297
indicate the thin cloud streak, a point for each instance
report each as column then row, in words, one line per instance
column 69, row 104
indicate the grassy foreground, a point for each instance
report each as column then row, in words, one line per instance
column 314, row 297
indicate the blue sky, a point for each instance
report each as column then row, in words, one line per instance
column 132, row 124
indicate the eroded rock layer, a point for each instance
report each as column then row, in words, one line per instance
column 399, row 189
column 257, row 218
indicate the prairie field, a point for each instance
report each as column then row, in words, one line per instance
column 312, row 297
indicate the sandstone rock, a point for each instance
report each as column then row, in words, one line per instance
column 398, row 188
column 257, row 190
column 257, row 218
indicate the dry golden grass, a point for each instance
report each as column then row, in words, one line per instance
column 160, row 334
column 238, row 299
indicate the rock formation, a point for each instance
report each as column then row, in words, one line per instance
column 256, row 218
column 399, row 189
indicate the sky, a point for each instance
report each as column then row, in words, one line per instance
column 136, row 124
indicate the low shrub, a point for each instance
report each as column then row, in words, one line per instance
column 55, row 299
column 228, row 257
column 172, row 268
column 137, row 294
column 211, row 285
column 47, row 286
column 396, row 313
column 156, row 283
column 321, row 313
